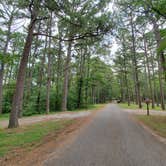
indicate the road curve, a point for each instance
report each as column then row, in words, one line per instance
column 112, row 139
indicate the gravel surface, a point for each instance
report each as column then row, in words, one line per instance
column 40, row 118
column 112, row 138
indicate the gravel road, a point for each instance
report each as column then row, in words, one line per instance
column 40, row 118
column 112, row 138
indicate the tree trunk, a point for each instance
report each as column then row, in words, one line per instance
column 80, row 79
column 40, row 77
column 1, row 85
column 134, row 60
column 161, row 86
column 30, row 71
column 154, row 83
column 49, row 70
column 87, row 79
column 66, row 77
column 127, row 88
column 160, row 62
column 125, row 72
column 121, row 89
column 149, row 75
column 18, row 94
column 59, row 73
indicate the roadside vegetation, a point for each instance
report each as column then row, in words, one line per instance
column 63, row 59
column 88, row 108
column 29, row 136
column 4, row 116
column 57, row 61
column 135, row 107
column 156, row 123
column 77, row 55
column 140, row 61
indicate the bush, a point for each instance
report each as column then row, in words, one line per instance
column 7, row 97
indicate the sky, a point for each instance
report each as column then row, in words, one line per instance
column 20, row 24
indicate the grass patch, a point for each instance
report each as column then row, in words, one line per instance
column 157, row 123
column 134, row 106
column 4, row 116
column 28, row 135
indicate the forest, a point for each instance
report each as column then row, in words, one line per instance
column 67, row 55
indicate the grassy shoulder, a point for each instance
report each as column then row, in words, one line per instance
column 156, row 123
column 89, row 108
column 4, row 116
column 29, row 136
column 134, row 106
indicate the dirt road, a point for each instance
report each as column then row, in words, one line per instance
column 40, row 118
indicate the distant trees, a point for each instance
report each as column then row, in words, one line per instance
column 58, row 59
column 143, row 24
column 8, row 14
column 53, row 60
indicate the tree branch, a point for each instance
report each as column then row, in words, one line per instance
column 77, row 37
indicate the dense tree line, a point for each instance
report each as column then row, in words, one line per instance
column 53, row 54
column 53, row 62
column 140, row 63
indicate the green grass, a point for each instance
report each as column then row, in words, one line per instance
column 90, row 107
column 156, row 123
column 134, row 106
column 4, row 116
column 26, row 136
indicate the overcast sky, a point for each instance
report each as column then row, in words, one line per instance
column 20, row 24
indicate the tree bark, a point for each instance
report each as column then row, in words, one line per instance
column 59, row 74
column 149, row 75
column 80, row 79
column 30, row 71
column 40, row 77
column 66, row 78
column 125, row 71
column 87, row 79
column 127, row 87
column 49, row 71
column 134, row 60
column 18, row 94
column 160, row 62
column 154, row 83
